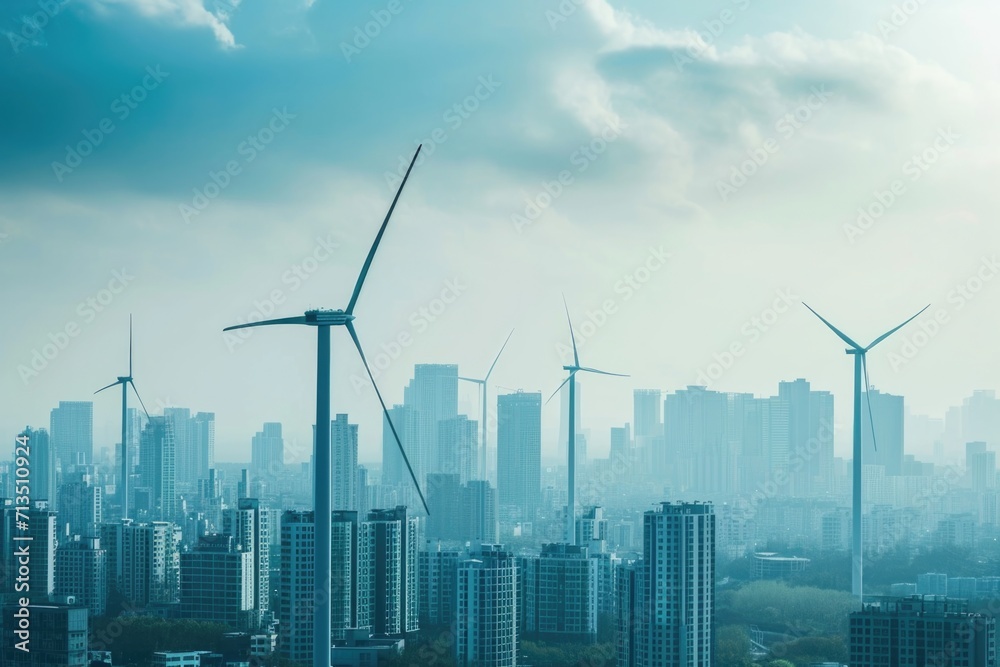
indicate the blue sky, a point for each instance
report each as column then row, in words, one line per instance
column 743, row 138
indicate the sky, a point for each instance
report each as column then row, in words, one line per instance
column 685, row 173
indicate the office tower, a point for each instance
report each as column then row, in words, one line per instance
column 344, row 463
column 432, row 395
column 81, row 504
column 184, row 459
column 41, row 465
column 519, row 453
column 348, row 586
column 58, row 636
column 486, row 609
column 217, row 583
column 887, row 410
column 697, row 442
column 629, row 623
column 592, row 530
column 479, row 513
column 156, row 469
column 394, row 471
column 984, row 471
column 81, row 571
column 361, row 505
column 267, row 451
column 458, row 450
column 249, row 525
column 919, row 631
column 678, row 586
column 647, row 429
column 567, row 594
column 621, row 445
column 561, row 454
column 980, row 418
column 438, row 575
column 40, row 537
column 444, row 499
column 143, row 560
column 387, row 546
column 72, row 430
column 201, row 444
column 809, row 462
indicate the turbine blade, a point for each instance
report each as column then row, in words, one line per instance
column 140, row 398
column 472, row 380
column 835, row 330
column 868, row 399
column 572, row 336
column 493, row 365
column 385, row 411
column 108, row 387
column 594, row 370
column 378, row 238
column 130, row 345
column 284, row 320
column 558, row 388
column 894, row 330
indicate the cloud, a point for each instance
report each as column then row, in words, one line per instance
column 184, row 13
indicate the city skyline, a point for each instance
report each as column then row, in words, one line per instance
column 117, row 234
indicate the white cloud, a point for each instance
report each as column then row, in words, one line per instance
column 186, row 13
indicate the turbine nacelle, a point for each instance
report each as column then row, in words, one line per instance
column 327, row 317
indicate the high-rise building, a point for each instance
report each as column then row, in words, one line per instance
column 387, row 546
column 432, row 395
column 519, row 452
column 201, row 444
column 567, row 594
column 628, row 621
column 458, row 448
column 344, row 463
column 143, row 560
column 81, row 503
column 267, row 451
column 444, row 501
column 438, row 576
column 81, row 571
column 984, row 471
column 647, row 429
column 677, row 599
column 479, row 513
column 809, row 461
column 697, row 442
column 918, row 631
column 887, row 413
column 157, row 470
column 621, row 443
column 486, row 609
column 72, row 430
column 217, row 583
column 42, row 464
column 59, row 635
column 40, row 537
column 394, row 472
column 980, row 418
column 592, row 530
column 249, row 525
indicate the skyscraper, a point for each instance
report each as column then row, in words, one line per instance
column 81, row 504
column 143, row 560
column 157, row 471
column 184, row 459
column 647, row 429
column 387, row 545
column 981, row 418
column 267, row 451
column 567, row 594
column 394, row 471
column 42, row 465
column 438, row 577
column 249, row 525
column 72, row 430
column 519, row 452
column 697, row 443
column 344, row 442
column 810, row 453
column 458, row 450
column 217, row 583
column 887, row 411
column 432, row 394
column 41, row 538
column 201, row 444
column 677, row 610
column 486, row 609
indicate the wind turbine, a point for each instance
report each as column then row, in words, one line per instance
column 125, row 381
column 482, row 389
column 571, row 448
column 860, row 370
column 322, row 493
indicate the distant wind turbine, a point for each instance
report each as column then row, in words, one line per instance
column 125, row 381
column 323, row 320
column 482, row 389
column 571, row 448
column 860, row 371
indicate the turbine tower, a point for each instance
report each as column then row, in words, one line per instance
column 860, row 372
column 571, row 447
column 125, row 381
column 322, row 493
column 482, row 389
